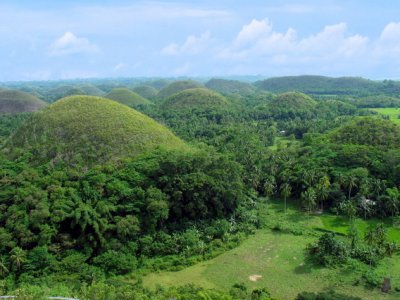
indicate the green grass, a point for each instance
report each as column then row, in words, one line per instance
column 17, row 102
column 127, row 97
column 392, row 112
column 91, row 128
column 280, row 259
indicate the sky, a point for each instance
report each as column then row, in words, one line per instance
column 52, row 40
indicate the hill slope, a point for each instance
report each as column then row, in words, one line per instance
column 228, row 87
column 293, row 101
column 89, row 129
column 176, row 87
column 195, row 98
column 319, row 85
column 369, row 131
column 17, row 102
column 127, row 97
column 146, row 91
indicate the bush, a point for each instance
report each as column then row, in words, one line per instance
column 115, row 263
column 329, row 250
column 329, row 295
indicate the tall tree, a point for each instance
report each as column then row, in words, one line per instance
column 286, row 191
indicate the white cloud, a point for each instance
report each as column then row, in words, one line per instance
column 257, row 40
column 192, row 45
column 388, row 44
column 69, row 44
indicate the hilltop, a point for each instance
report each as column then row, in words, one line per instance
column 176, row 87
column 146, row 91
column 195, row 98
column 127, row 97
column 12, row 101
column 229, row 87
column 370, row 132
column 90, row 130
column 292, row 101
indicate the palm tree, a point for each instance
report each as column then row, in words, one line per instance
column 269, row 187
column 392, row 201
column 3, row 267
column 17, row 257
column 351, row 181
column 286, row 190
column 323, row 189
column 309, row 198
column 370, row 237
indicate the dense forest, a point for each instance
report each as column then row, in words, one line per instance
column 105, row 183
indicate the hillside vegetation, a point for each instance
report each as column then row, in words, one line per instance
column 200, row 98
column 176, row 87
column 12, row 101
column 229, row 87
column 146, row 91
column 90, row 129
column 127, row 97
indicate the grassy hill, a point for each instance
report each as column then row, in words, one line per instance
column 368, row 131
column 127, row 97
column 176, row 87
column 63, row 91
column 89, row 129
column 229, row 87
column 146, row 91
column 91, row 90
column 200, row 98
column 12, row 101
column 292, row 101
column 320, row 85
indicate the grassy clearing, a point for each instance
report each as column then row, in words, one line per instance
column 392, row 112
column 282, row 142
column 280, row 259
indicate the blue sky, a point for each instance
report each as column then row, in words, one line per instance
column 47, row 40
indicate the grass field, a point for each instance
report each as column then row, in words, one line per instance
column 393, row 113
column 279, row 258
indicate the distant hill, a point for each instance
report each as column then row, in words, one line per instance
column 158, row 84
column 12, row 101
column 127, row 97
column 321, row 85
column 146, row 91
column 368, row 131
column 176, row 87
column 229, row 87
column 200, row 98
column 87, row 130
column 292, row 101
column 62, row 92
column 91, row 90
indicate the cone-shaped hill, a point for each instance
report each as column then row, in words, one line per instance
column 229, row 87
column 176, row 87
column 198, row 98
column 89, row 130
column 91, row 90
column 368, row 131
column 127, row 97
column 146, row 91
column 13, row 102
column 293, row 101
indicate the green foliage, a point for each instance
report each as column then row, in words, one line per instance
column 146, row 91
column 329, row 295
column 13, row 102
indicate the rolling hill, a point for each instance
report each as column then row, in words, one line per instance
column 229, row 87
column 146, row 91
column 12, row 101
column 320, row 85
column 87, row 130
column 127, row 97
column 176, row 87
column 292, row 101
column 197, row 98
